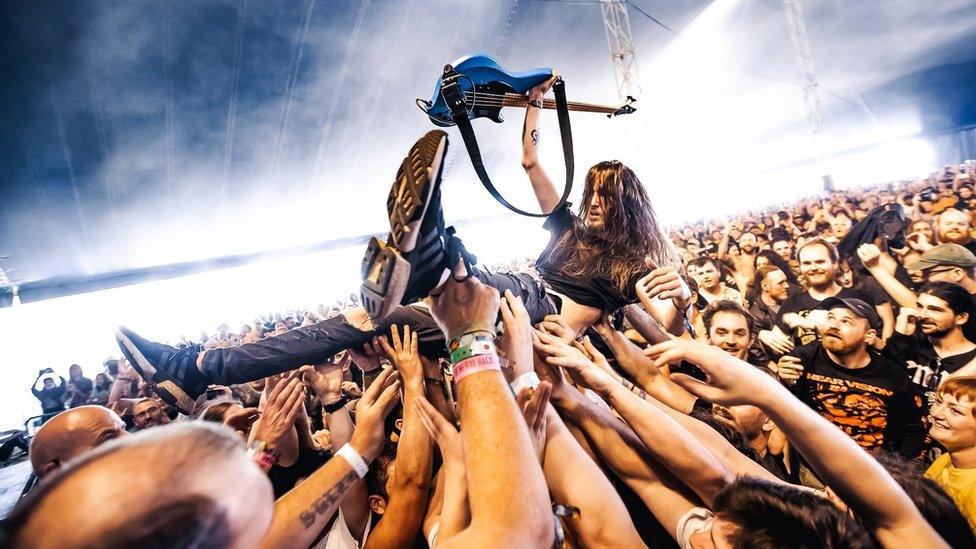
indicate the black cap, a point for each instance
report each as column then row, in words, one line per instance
column 859, row 308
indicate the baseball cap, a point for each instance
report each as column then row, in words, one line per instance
column 859, row 308
column 944, row 254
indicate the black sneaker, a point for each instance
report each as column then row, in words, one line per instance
column 172, row 372
column 420, row 252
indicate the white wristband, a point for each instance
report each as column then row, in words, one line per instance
column 355, row 460
column 528, row 379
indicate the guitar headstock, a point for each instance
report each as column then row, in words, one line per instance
column 626, row 108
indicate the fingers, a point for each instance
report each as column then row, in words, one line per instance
column 508, row 317
column 592, row 350
column 297, row 406
column 650, row 263
column 373, row 391
column 276, row 391
column 388, row 398
column 541, row 399
column 395, row 334
column 385, row 345
column 413, row 344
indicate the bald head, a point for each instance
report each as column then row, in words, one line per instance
column 185, row 484
column 72, row 433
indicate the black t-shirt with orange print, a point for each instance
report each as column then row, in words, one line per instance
column 878, row 405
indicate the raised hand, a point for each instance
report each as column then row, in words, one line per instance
column 446, row 436
column 778, row 342
column 730, row 380
column 465, row 306
column 367, row 358
column 540, row 90
column 277, row 425
column 516, row 341
column 242, row 420
column 533, row 403
column 371, row 411
column 404, row 355
column 325, row 379
column 574, row 361
column 869, row 254
column 557, row 326
column 663, row 283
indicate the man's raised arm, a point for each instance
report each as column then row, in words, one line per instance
column 499, row 455
column 545, row 191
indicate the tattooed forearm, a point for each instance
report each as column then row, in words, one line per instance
column 325, row 503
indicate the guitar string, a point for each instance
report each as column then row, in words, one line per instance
column 498, row 100
column 575, row 106
column 603, row 110
column 502, row 99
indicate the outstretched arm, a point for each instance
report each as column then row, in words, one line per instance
column 855, row 476
column 545, row 191
column 666, row 440
column 499, row 456
column 575, row 479
column 301, row 514
column 409, row 487
column 871, row 258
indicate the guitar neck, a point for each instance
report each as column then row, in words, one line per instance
column 520, row 101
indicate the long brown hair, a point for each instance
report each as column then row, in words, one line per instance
column 630, row 231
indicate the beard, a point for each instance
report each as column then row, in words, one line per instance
column 833, row 342
column 820, row 279
column 935, row 331
column 953, row 236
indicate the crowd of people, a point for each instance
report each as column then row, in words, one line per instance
column 802, row 376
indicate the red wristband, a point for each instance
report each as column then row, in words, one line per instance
column 474, row 365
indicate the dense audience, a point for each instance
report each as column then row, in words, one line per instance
column 820, row 391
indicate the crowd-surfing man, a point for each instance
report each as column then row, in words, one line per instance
column 574, row 404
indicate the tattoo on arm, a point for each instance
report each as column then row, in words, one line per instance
column 330, row 497
column 535, row 138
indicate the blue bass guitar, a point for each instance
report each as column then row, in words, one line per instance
column 476, row 86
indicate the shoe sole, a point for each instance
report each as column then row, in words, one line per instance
column 384, row 270
column 165, row 388
column 417, row 180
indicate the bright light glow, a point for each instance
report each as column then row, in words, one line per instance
column 79, row 329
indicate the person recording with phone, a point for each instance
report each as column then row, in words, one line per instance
column 49, row 394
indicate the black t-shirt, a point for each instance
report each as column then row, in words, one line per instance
column 927, row 370
column 925, row 367
column 600, row 293
column 802, row 304
column 878, row 405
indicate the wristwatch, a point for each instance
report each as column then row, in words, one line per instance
column 263, row 455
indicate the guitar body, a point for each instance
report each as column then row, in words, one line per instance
column 481, row 74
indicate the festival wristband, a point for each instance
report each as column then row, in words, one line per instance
column 264, row 457
column 471, row 329
column 527, row 380
column 535, row 103
column 354, row 460
column 483, row 345
column 474, row 365
column 468, row 338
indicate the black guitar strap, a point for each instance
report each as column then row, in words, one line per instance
column 454, row 96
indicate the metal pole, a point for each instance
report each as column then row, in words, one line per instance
column 811, row 91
